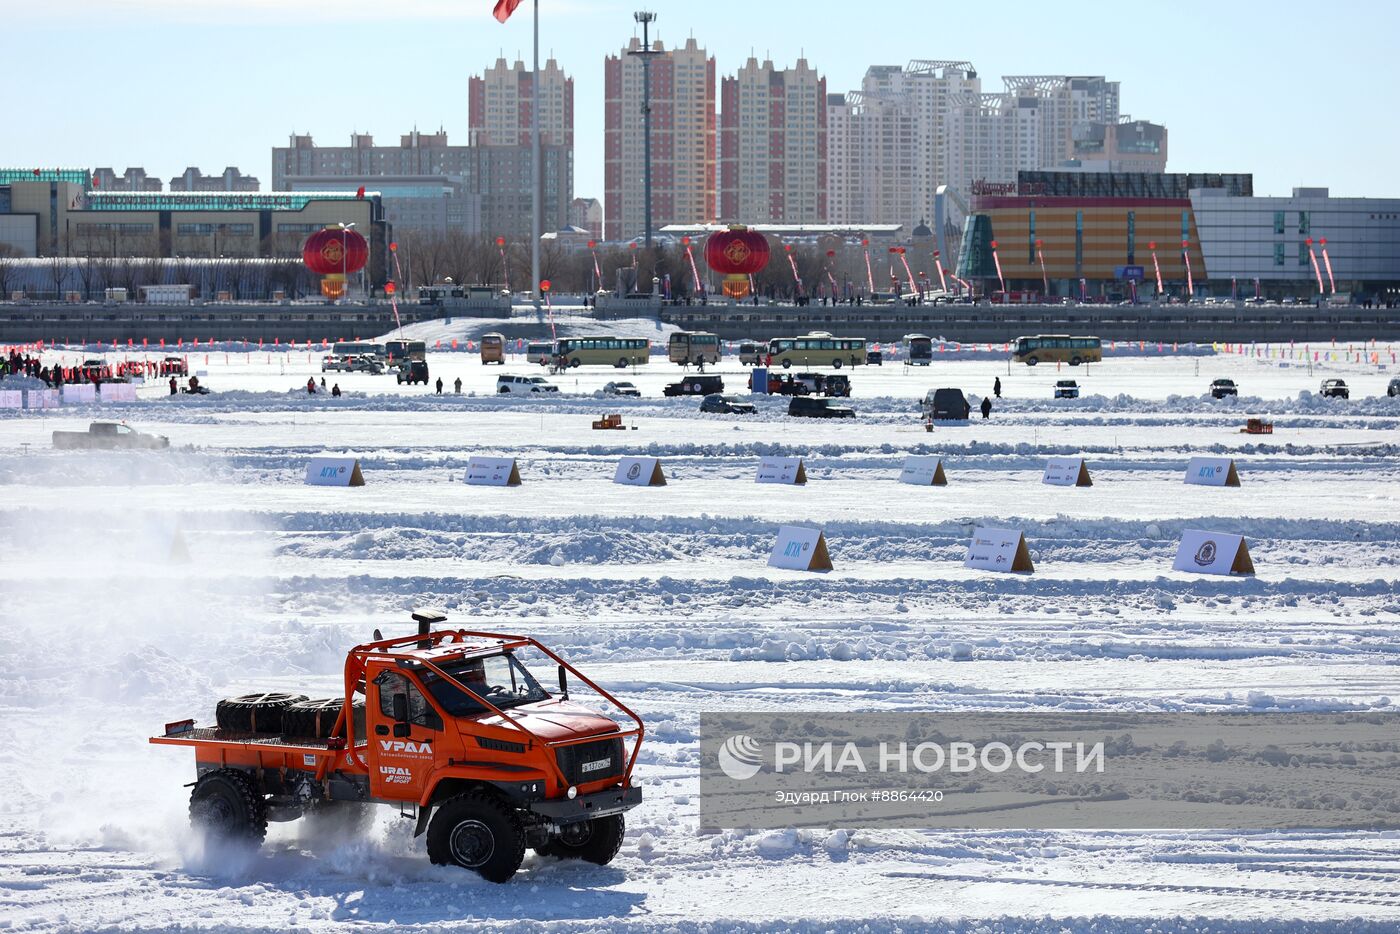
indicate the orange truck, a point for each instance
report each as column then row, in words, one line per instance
column 451, row 728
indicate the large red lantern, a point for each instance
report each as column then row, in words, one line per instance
column 334, row 253
column 736, row 254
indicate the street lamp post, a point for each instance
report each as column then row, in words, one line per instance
column 345, row 259
column 646, row 18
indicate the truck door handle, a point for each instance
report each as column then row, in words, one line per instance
column 381, row 730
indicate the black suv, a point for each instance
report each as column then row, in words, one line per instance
column 811, row 407
column 1222, row 388
column 726, row 405
column 1335, row 389
column 413, row 371
column 695, row 386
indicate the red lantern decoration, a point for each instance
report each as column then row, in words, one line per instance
column 390, row 288
column 830, row 253
column 736, row 254
column 334, row 253
column 544, row 285
column 592, row 244
column 500, row 241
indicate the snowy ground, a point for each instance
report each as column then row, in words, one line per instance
column 663, row 594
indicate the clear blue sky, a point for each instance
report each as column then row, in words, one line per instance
column 1299, row 93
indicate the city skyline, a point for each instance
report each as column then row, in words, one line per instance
column 1222, row 81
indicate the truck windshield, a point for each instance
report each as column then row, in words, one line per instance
column 500, row 679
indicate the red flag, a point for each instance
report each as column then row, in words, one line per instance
column 360, row 192
column 504, row 8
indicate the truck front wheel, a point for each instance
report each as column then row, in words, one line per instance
column 225, row 805
column 596, row 841
column 477, row 832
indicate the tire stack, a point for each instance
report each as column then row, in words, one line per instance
column 255, row 713
column 315, row 719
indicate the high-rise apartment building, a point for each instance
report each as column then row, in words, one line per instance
column 773, row 145
column 230, row 179
column 500, row 102
column 892, row 135
column 500, row 110
column 587, row 214
column 684, row 168
column 133, row 179
column 425, row 182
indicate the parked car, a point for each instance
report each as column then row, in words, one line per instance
column 524, row 385
column 366, row 363
column 751, row 354
column 1066, row 389
column 337, row 363
column 1393, row 389
column 1222, row 388
column 412, row 371
column 875, row 357
column 695, row 386
column 812, row 407
column 824, row 384
column 726, row 405
column 621, row 388
column 945, row 404
column 1335, row 389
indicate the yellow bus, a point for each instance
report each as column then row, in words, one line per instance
column 606, row 351
column 493, row 349
column 1057, row 348
column 817, row 349
column 696, row 347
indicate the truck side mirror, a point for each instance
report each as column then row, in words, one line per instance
column 563, row 682
column 401, row 708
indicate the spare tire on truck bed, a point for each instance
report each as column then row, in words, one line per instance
column 315, row 719
column 255, row 713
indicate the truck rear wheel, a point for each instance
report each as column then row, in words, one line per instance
column 477, row 832
column 255, row 713
column 596, row 841
column 225, row 805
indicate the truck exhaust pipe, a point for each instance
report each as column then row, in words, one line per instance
column 427, row 619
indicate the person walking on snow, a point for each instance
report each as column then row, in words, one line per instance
column 439, row 385
column 335, row 390
column 173, row 388
column 986, row 407
column 311, row 385
column 457, row 385
column 996, row 387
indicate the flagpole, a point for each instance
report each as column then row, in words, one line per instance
column 535, row 170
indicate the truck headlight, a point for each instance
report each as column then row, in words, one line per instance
column 573, row 792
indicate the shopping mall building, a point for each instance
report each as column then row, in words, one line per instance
column 1110, row 234
column 59, row 212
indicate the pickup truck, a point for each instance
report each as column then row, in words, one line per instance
column 108, row 436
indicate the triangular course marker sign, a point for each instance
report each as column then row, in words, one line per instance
column 999, row 550
column 1066, row 471
column 923, row 470
column 1212, row 471
column 492, row 471
column 781, row 470
column 334, row 471
column 1203, row 552
column 640, row 471
column 800, row 549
